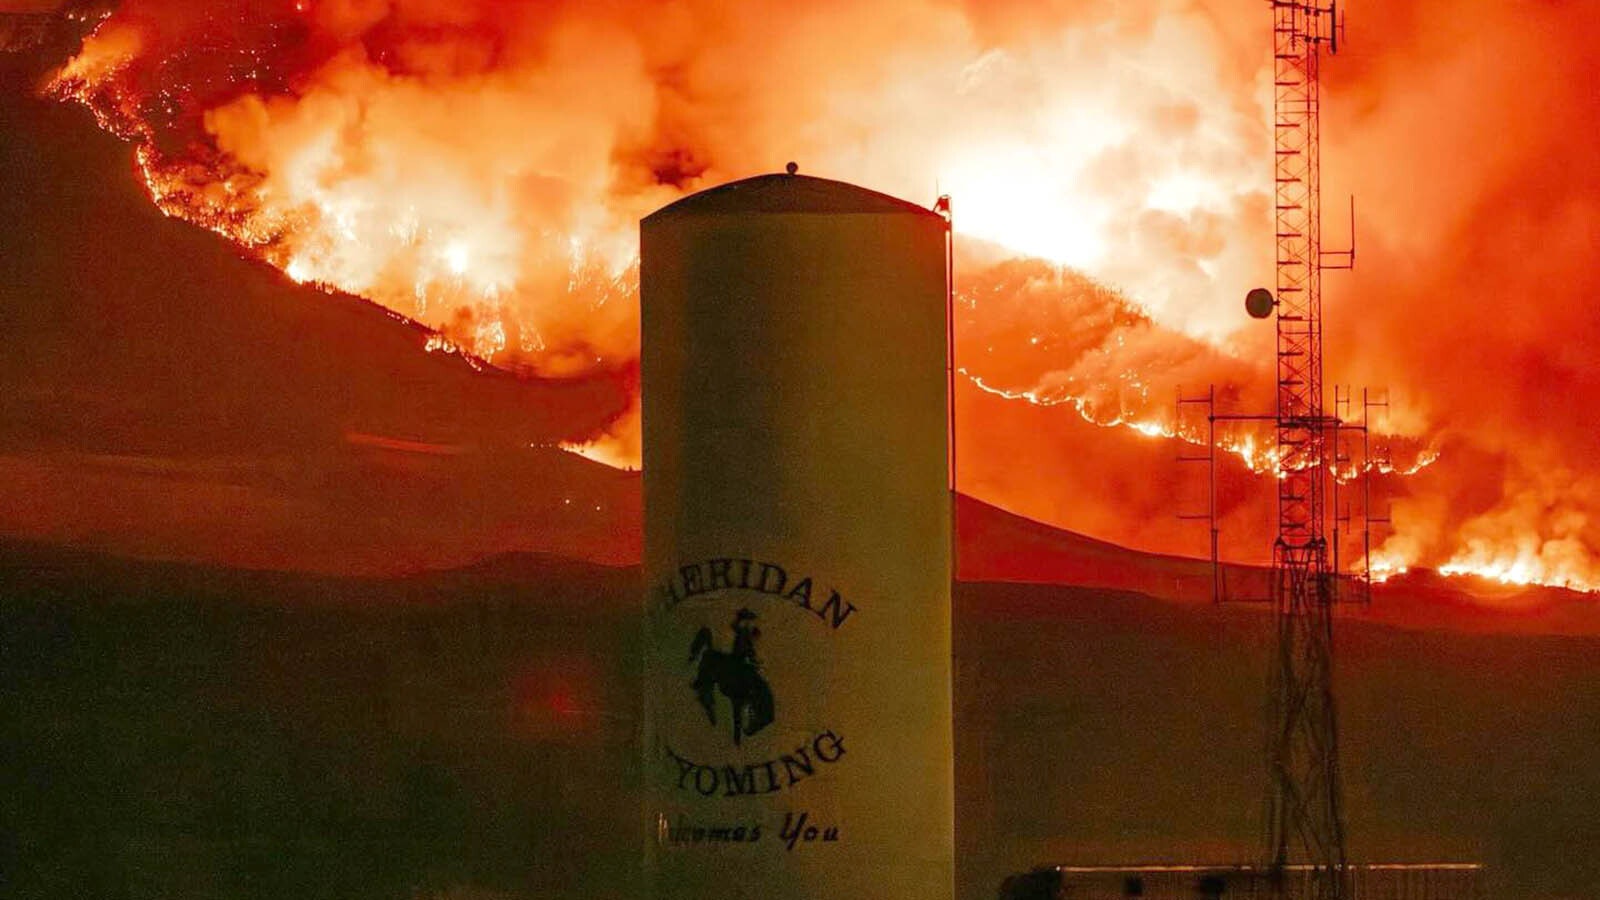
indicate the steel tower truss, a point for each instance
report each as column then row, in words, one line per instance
column 1304, row 820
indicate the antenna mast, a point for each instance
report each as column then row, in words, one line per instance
column 1304, row 815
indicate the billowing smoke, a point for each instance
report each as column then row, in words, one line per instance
column 481, row 166
column 1474, row 299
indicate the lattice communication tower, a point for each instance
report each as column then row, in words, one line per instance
column 1304, row 816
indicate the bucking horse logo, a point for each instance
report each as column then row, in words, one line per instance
column 736, row 673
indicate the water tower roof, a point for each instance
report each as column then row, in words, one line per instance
column 782, row 193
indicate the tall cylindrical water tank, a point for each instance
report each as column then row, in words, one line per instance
column 797, row 545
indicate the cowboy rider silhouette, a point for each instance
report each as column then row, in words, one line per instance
column 744, row 638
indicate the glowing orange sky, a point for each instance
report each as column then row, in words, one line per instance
column 480, row 166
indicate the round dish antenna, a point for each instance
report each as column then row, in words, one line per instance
column 1259, row 303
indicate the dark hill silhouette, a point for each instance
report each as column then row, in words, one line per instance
column 995, row 545
column 162, row 396
column 130, row 331
column 183, row 731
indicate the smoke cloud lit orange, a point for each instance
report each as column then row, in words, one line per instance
column 481, row 167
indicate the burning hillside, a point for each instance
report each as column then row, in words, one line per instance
column 480, row 167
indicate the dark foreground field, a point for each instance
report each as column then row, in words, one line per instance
column 182, row 732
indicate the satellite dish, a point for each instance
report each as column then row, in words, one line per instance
column 1259, row 303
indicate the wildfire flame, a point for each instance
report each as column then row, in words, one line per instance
column 480, row 167
column 1385, row 567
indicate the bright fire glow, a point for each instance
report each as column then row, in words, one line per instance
column 1000, row 202
column 607, row 451
column 1501, row 546
column 481, row 167
column 1258, row 455
column 1385, row 567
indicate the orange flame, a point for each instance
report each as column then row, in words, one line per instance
column 480, row 167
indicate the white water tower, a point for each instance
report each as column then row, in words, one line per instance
column 797, row 545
